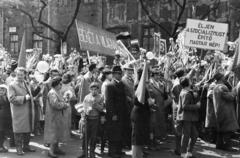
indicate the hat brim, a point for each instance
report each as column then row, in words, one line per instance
column 128, row 69
column 116, row 72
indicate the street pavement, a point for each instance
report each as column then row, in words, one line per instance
column 72, row 149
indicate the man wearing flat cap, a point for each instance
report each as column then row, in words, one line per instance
column 116, row 112
column 128, row 82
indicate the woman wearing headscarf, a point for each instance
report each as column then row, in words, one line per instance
column 55, row 128
column 68, row 91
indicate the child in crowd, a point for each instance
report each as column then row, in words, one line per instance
column 93, row 106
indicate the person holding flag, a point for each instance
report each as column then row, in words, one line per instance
column 140, row 115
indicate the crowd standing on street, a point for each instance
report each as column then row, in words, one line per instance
column 102, row 103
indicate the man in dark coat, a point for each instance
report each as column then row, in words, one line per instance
column 224, row 108
column 116, row 112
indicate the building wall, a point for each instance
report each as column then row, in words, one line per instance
column 113, row 15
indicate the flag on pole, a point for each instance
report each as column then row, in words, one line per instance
column 141, row 89
column 235, row 67
column 22, row 54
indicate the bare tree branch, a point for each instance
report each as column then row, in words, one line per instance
column 179, row 18
column 176, row 1
column 59, row 33
column 152, row 20
column 72, row 21
column 211, row 10
column 33, row 25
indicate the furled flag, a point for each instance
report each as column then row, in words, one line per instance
column 235, row 67
column 141, row 89
column 22, row 54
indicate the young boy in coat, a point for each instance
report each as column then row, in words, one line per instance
column 93, row 105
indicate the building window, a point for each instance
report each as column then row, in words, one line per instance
column 88, row 1
column 37, row 41
column 147, row 38
column 62, row 3
column 14, row 43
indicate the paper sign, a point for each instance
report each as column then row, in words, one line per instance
column 205, row 34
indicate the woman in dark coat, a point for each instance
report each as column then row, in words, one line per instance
column 140, row 118
column 5, row 117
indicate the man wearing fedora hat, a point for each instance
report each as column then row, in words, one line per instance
column 116, row 111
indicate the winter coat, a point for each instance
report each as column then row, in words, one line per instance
column 157, row 91
column 116, row 105
column 129, row 90
column 5, row 114
column 56, row 130
column 22, row 111
column 224, row 107
column 187, row 111
column 140, row 117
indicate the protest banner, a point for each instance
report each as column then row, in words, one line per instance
column 160, row 45
column 163, row 46
column 95, row 39
column 205, row 34
column 156, row 44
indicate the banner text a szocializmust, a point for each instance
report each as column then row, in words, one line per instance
column 205, row 34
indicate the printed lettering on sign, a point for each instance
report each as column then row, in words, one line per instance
column 95, row 39
column 205, row 34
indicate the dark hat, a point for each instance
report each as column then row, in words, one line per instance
column 67, row 78
column 117, row 56
column 92, row 67
column 184, row 82
column 94, row 85
column 13, row 65
column 56, row 81
column 116, row 69
column 218, row 76
column 179, row 72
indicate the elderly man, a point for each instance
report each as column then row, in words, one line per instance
column 22, row 107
